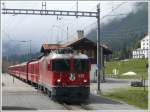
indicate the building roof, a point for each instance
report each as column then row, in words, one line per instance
column 86, row 43
column 83, row 43
column 84, row 40
column 146, row 36
column 77, row 41
column 49, row 47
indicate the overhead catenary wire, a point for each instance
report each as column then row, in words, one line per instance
column 113, row 10
column 88, row 27
column 108, row 13
column 94, row 6
column 75, row 33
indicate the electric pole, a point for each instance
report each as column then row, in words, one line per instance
column 77, row 8
column 99, row 66
column 67, row 33
column 30, row 49
column 29, row 54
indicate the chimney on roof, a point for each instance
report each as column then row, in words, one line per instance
column 80, row 34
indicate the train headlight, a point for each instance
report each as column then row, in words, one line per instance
column 58, row 80
column 85, row 80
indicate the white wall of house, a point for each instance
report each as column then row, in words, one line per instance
column 143, row 51
column 145, row 42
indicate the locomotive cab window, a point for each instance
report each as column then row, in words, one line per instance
column 81, row 65
column 60, row 65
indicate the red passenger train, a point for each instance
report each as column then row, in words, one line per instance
column 62, row 74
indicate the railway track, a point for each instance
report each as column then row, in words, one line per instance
column 85, row 107
column 74, row 106
column 68, row 106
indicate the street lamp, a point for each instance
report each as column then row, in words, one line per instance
column 29, row 45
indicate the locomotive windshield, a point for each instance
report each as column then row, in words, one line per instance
column 60, row 65
column 81, row 65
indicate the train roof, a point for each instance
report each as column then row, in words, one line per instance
column 19, row 64
column 24, row 63
column 67, row 56
column 80, row 56
column 34, row 61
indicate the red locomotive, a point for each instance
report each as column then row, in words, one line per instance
column 63, row 74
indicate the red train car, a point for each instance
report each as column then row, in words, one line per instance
column 14, row 70
column 62, row 74
column 33, row 72
column 23, row 71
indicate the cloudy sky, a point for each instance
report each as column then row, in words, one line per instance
column 49, row 29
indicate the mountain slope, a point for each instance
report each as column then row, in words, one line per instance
column 126, row 31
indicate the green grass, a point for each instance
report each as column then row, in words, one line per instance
column 134, row 96
column 136, row 65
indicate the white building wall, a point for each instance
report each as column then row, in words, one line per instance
column 143, row 51
column 145, row 43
